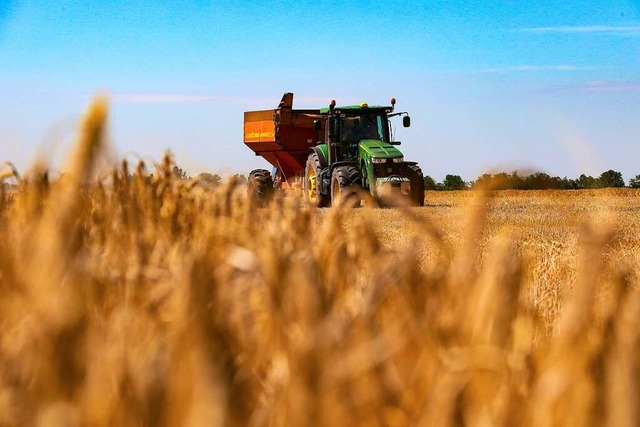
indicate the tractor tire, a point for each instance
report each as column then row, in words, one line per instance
column 260, row 187
column 312, row 193
column 345, row 183
column 417, row 194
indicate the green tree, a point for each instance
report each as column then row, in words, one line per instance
column 453, row 182
column 542, row 181
column 212, row 179
column 240, row 178
column 179, row 173
column 610, row 179
column 635, row 182
column 569, row 184
column 516, row 182
column 586, row 181
column 429, row 183
column 501, row 181
column 486, row 180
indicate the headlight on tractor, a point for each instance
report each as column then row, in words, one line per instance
column 398, row 160
column 374, row 160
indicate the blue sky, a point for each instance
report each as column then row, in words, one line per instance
column 547, row 85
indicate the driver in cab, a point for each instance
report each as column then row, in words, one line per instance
column 356, row 132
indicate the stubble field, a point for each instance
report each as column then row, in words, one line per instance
column 146, row 300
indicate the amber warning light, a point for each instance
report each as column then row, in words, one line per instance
column 393, row 101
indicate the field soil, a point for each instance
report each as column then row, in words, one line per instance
column 544, row 225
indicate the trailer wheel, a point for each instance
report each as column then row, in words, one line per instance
column 312, row 193
column 345, row 182
column 260, row 186
column 417, row 185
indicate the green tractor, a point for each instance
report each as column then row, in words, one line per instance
column 332, row 154
column 359, row 154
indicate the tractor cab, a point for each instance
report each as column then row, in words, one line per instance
column 349, row 125
column 363, row 124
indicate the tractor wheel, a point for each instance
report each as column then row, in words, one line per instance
column 345, row 181
column 311, row 183
column 260, row 186
column 417, row 194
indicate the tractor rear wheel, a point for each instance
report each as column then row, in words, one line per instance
column 260, row 186
column 345, row 181
column 312, row 182
column 417, row 186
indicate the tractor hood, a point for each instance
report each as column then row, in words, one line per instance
column 379, row 149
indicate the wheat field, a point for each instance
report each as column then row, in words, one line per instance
column 137, row 299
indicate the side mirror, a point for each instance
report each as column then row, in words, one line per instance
column 406, row 121
column 395, row 142
column 317, row 125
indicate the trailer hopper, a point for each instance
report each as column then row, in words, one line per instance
column 283, row 136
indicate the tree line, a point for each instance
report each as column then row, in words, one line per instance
column 498, row 181
column 534, row 181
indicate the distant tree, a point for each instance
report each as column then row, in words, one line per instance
column 516, row 182
column 569, row 184
column 542, row 181
column 635, row 182
column 484, row 180
column 453, row 182
column 209, row 178
column 179, row 173
column 557, row 183
column 533, row 181
column 429, row 183
column 239, row 178
column 586, row 181
column 501, row 181
column 610, row 179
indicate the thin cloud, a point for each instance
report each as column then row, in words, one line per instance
column 524, row 68
column 159, row 98
column 589, row 29
column 604, row 86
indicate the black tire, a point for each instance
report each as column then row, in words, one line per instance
column 312, row 193
column 260, row 186
column 345, row 183
column 417, row 185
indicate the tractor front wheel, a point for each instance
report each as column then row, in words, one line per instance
column 344, row 186
column 417, row 185
column 312, row 183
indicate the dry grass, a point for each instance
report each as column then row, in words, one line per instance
column 150, row 302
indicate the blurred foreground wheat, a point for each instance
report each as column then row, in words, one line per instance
column 152, row 301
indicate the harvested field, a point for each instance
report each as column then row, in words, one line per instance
column 148, row 300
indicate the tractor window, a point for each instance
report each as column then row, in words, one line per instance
column 370, row 126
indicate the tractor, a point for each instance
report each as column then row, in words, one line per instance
column 333, row 154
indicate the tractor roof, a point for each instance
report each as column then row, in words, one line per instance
column 358, row 108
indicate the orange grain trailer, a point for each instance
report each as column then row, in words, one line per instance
column 282, row 136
